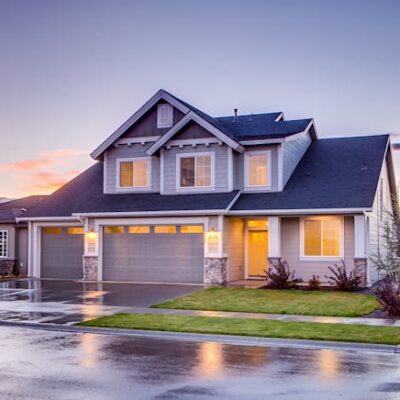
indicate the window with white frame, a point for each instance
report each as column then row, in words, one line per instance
column 195, row 170
column 3, row 244
column 133, row 173
column 257, row 169
column 322, row 237
column 164, row 116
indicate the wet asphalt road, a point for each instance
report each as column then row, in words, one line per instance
column 37, row 364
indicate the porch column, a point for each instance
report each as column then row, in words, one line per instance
column 360, row 248
column 91, row 253
column 274, row 239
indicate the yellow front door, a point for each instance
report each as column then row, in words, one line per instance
column 257, row 253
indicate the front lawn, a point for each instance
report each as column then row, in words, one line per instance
column 296, row 302
column 251, row 327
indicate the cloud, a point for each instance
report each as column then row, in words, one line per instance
column 42, row 175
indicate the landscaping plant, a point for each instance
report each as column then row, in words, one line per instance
column 343, row 280
column 279, row 276
column 388, row 295
column 314, row 283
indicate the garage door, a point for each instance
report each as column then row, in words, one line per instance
column 161, row 253
column 61, row 252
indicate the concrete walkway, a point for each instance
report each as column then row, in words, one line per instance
column 272, row 317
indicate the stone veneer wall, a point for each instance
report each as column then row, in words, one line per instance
column 215, row 271
column 90, row 267
column 7, row 267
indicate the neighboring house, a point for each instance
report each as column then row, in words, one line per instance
column 13, row 236
column 179, row 196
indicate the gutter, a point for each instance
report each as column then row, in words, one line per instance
column 150, row 213
column 309, row 211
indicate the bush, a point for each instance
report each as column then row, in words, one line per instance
column 342, row 280
column 388, row 295
column 279, row 276
column 314, row 283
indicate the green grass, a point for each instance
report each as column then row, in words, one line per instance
column 251, row 327
column 296, row 302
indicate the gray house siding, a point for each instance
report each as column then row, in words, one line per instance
column 221, row 167
column 238, row 171
column 290, row 242
column 234, row 247
column 193, row 131
column 22, row 250
column 292, row 152
column 147, row 125
column 124, row 151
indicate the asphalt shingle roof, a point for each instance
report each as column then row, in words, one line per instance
column 333, row 173
column 16, row 208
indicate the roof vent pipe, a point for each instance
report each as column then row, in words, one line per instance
column 235, row 117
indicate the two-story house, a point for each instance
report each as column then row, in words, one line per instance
column 179, row 196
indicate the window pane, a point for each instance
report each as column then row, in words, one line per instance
column 140, row 173
column 165, row 229
column 331, row 238
column 312, row 238
column 192, row 229
column 75, row 231
column 258, row 223
column 187, row 172
column 113, row 229
column 203, row 171
column 257, row 170
column 52, row 231
column 125, row 174
column 139, row 229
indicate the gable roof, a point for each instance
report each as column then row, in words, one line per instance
column 15, row 208
column 84, row 195
column 337, row 173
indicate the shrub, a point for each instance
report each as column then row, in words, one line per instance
column 314, row 283
column 388, row 295
column 343, row 280
column 279, row 276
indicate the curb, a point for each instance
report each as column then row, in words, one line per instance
column 202, row 337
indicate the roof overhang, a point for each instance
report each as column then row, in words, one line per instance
column 192, row 116
column 304, row 211
column 46, row 219
column 160, row 95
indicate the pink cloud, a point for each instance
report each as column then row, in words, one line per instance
column 26, row 165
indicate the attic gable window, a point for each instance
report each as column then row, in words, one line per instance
column 133, row 173
column 164, row 116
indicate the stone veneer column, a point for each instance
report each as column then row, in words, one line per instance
column 7, row 267
column 215, row 271
column 90, row 266
column 360, row 265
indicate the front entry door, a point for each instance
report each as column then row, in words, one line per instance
column 257, row 253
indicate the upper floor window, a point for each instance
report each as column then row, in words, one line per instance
column 134, row 173
column 3, row 244
column 257, row 169
column 322, row 237
column 195, row 170
column 164, row 116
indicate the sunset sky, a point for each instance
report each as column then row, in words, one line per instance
column 72, row 71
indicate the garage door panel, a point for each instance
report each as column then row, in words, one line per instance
column 153, row 257
column 61, row 254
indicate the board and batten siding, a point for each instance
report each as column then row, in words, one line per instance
column 220, row 171
column 238, row 168
column 290, row 242
column 376, row 219
column 133, row 151
column 292, row 153
column 234, row 247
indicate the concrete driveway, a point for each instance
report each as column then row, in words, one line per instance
column 67, row 302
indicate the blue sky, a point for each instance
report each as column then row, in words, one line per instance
column 73, row 71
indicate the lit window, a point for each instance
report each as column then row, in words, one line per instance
column 113, row 229
column 134, row 173
column 257, row 224
column 51, row 231
column 4, row 244
column 139, row 229
column 165, row 229
column 192, row 229
column 195, row 171
column 257, row 169
column 322, row 237
column 164, row 116
column 75, row 231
